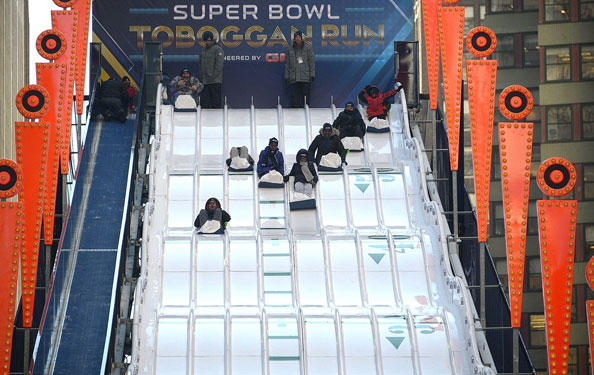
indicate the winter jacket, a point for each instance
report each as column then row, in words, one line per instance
column 113, row 89
column 350, row 124
column 205, row 215
column 266, row 162
column 376, row 106
column 297, row 173
column 321, row 146
column 304, row 72
column 211, row 64
column 186, row 88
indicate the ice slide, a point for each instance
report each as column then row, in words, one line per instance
column 361, row 285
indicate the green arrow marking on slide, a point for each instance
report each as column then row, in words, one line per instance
column 396, row 341
column 362, row 187
column 377, row 257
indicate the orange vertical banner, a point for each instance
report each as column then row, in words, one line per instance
column 556, row 227
column 515, row 154
column 590, row 308
column 32, row 140
column 451, row 36
column 431, row 31
column 52, row 77
column 481, row 76
column 66, row 21
column 83, row 8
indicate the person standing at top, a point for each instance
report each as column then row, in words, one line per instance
column 211, row 71
column 300, row 70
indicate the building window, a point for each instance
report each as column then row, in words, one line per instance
column 505, row 51
column 531, row 4
column 530, row 52
column 587, row 61
column 534, row 274
column 537, row 330
column 589, row 241
column 588, row 181
column 556, row 10
column 535, row 159
column 559, row 123
column 558, row 64
column 468, row 18
column 588, row 121
column 502, row 6
column 586, row 9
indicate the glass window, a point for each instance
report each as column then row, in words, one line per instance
column 559, row 123
column 502, row 5
column 468, row 18
column 534, row 274
column 589, row 240
column 505, row 51
column 588, row 181
column 558, row 64
column 537, row 330
column 587, row 9
column 531, row 4
column 588, row 121
column 556, row 10
column 587, row 61
column 535, row 159
column 530, row 52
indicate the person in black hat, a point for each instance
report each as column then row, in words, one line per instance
column 185, row 84
column 212, row 211
column 378, row 104
column 300, row 70
column 111, row 100
column 211, row 71
column 349, row 122
column 271, row 158
column 304, row 173
column 130, row 91
column 326, row 142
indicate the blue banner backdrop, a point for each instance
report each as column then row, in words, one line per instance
column 352, row 41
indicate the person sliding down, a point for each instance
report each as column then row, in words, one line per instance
column 271, row 159
column 212, row 217
column 240, row 159
column 349, row 122
column 377, row 104
column 304, row 173
column 325, row 143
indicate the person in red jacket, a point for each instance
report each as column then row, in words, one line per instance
column 377, row 104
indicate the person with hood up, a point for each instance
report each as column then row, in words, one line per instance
column 111, row 99
column 377, row 104
column 271, row 158
column 212, row 211
column 300, row 70
column 185, row 84
column 326, row 142
column 211, row 71
column 349, row 122
column 304, row 173
column 131, row 91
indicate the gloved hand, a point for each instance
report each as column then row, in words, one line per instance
column 286, row 178
column 345, row 162
column 399, row 86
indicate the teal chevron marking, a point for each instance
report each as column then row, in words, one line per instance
column 377, row 258
column 396, row 341
column 362, row 187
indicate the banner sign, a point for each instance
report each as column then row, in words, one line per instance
column 352, row 42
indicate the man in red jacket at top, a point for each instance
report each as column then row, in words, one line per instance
column 377, row 104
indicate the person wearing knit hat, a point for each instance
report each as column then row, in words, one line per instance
column 185, row 84
column 350, row 122
column 378, row 104
column 271, row 158
column 326, row 142
column 300, row 70
column 211, row 71
column 304, row 173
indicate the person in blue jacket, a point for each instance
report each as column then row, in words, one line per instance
column 271, row 158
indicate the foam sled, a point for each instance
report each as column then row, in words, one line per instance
column 377, row 125
column 185, row 103
column 302, row 202
column 271, row 180
column 239, row 164
column 330, row 163
column 211, row 227
column 354, row 144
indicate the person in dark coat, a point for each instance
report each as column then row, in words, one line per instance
column 377, row 104
column 304, row 173
column 327, row 141
column 300, row 70
column 271, row 158
column 211, row 71
column 212, row 211
column 111, row 100
column 185, row 84
column 349, row 122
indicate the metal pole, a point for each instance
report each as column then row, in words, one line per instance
column 78, row 133
column 26, row 345
column 516, row 348
column 48, row 269
column 434, row 144
column 482, row 284
column 455, row 204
